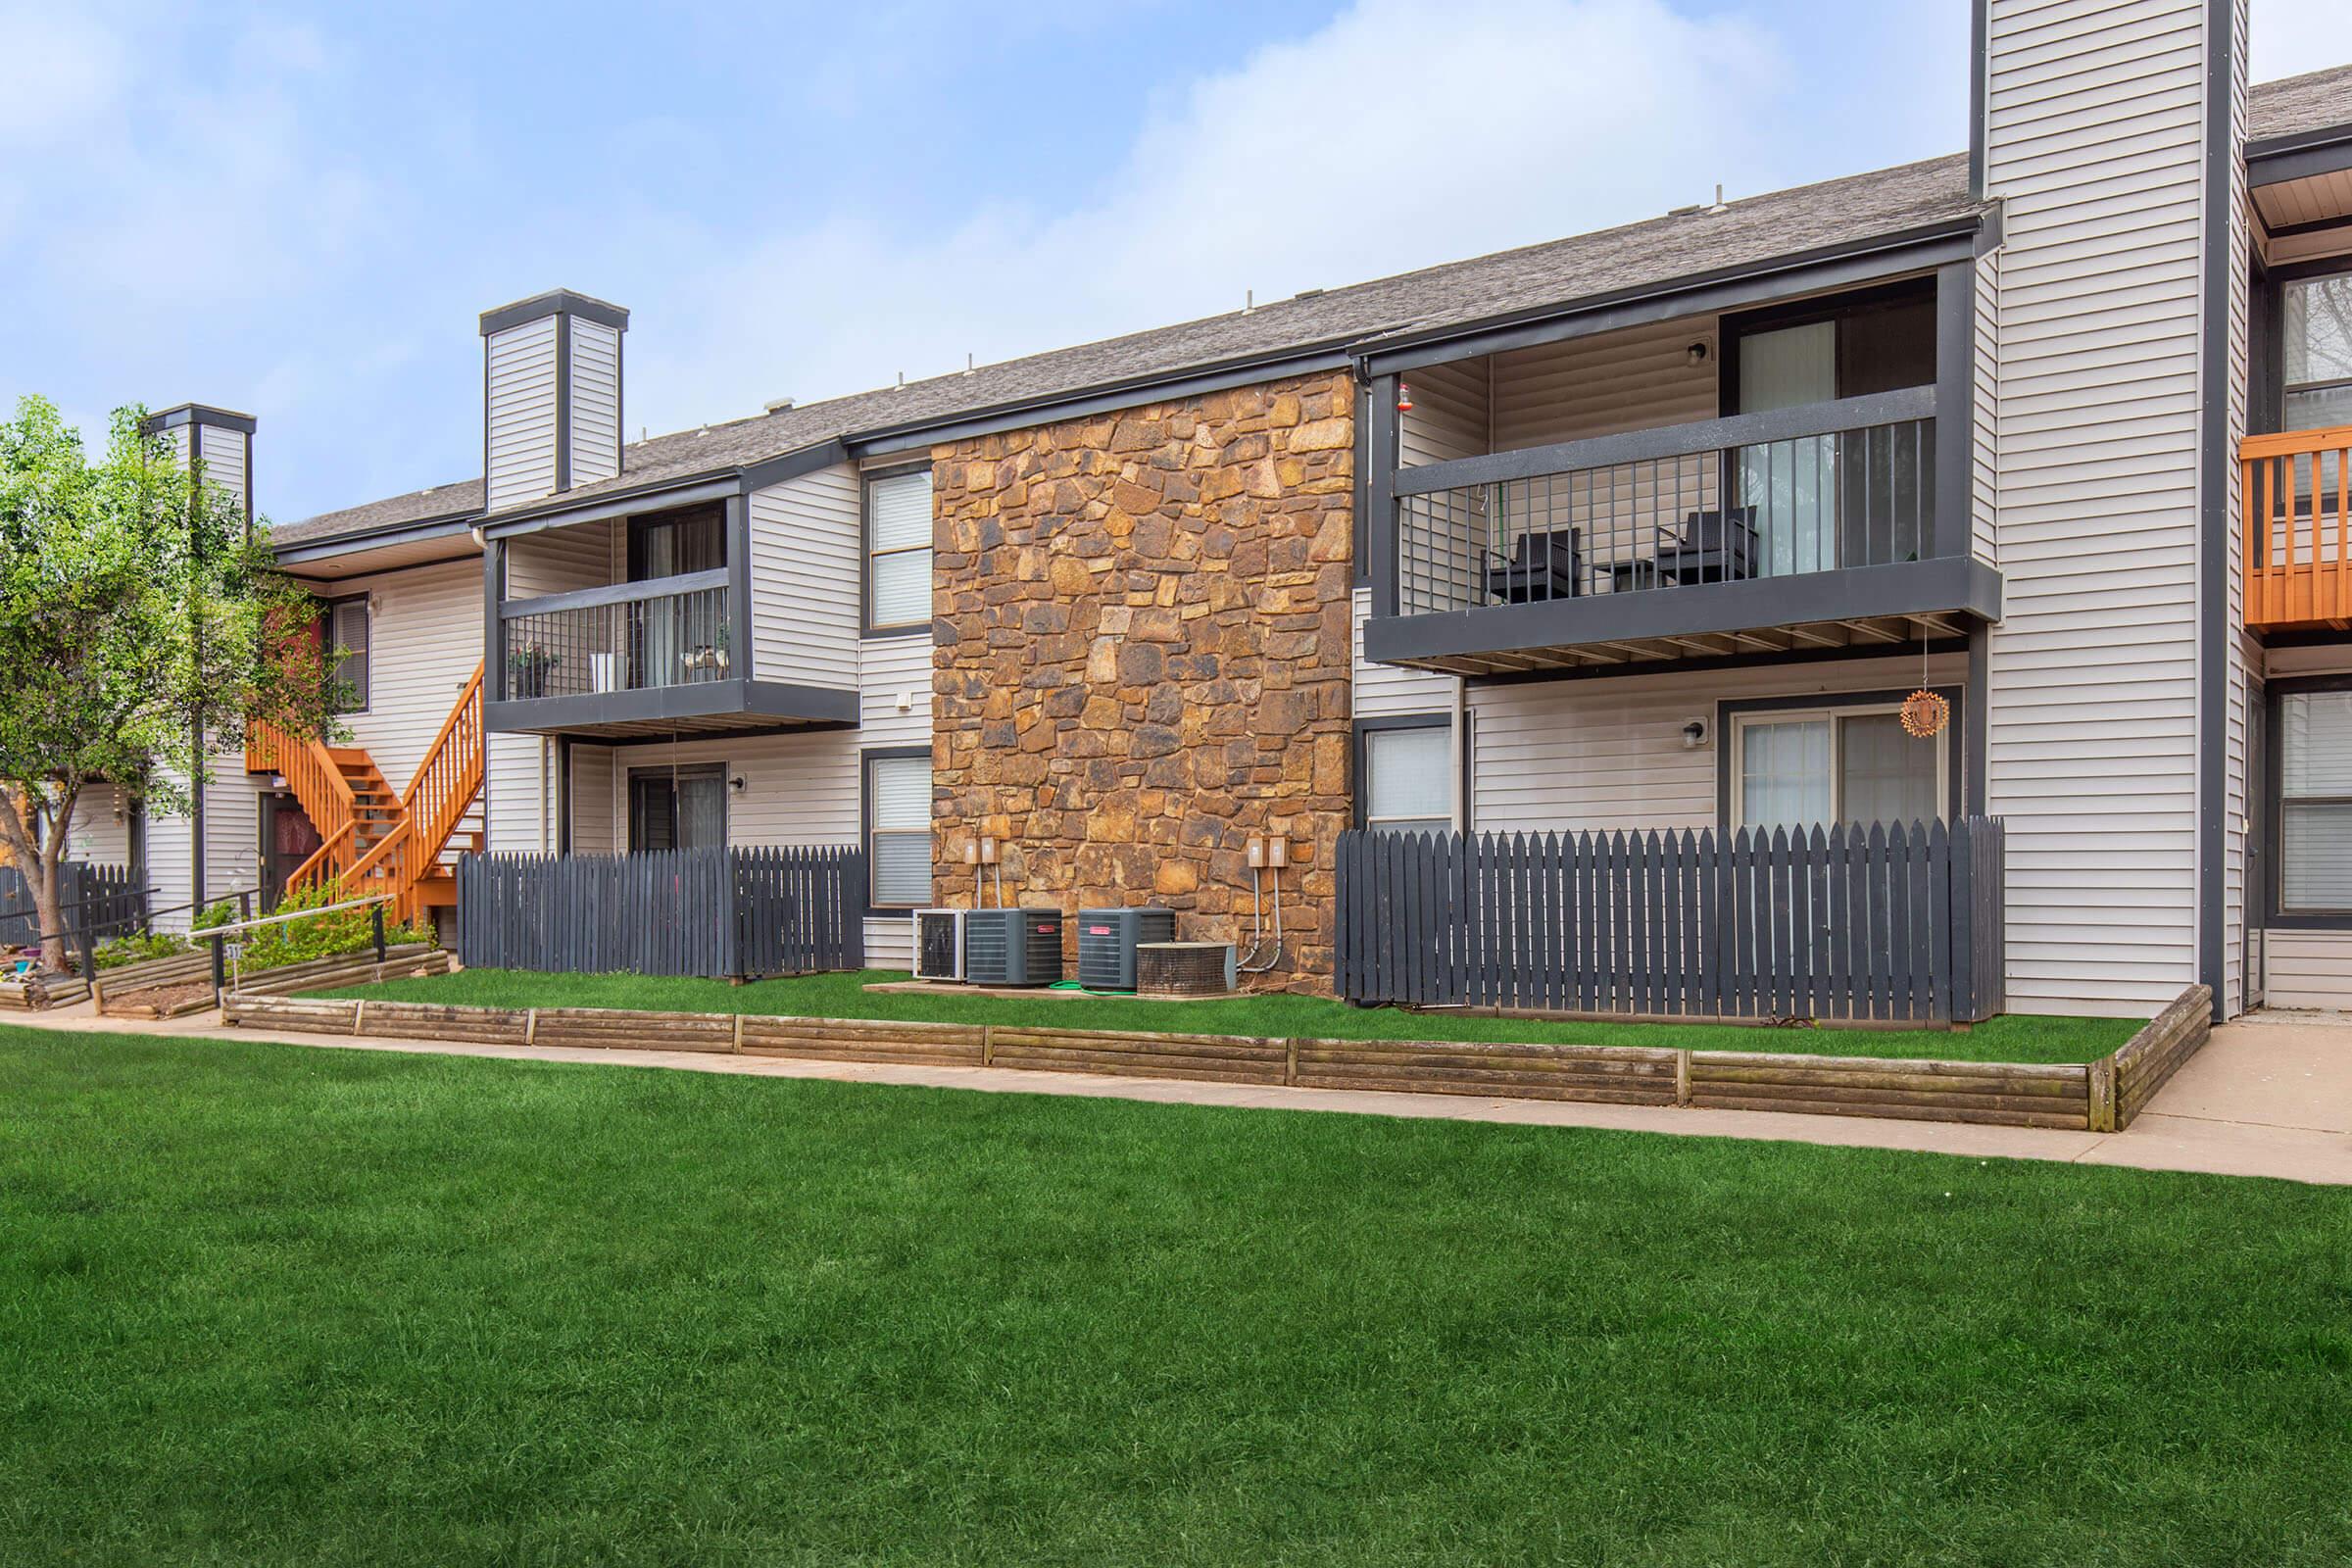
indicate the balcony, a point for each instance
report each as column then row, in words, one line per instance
column 2298, row 539
column 635, row 659
column 1824, row 526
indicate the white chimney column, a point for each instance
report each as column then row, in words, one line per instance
column 220, row 440
column 550, row 396
column 2113, row 137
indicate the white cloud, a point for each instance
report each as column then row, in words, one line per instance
column 58, row 74
column 1397, row 135
column 2292, row 36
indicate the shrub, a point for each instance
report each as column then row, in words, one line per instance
column 324, row 935
column 138, row 948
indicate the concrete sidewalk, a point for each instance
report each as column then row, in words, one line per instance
column 2267, row 1097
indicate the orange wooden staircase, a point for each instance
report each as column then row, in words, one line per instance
column 371, row 839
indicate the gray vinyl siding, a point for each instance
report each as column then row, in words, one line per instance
column 1983, row 533
column 2239, row 764
column 1608, row 754
column 521, row 413
column 519, row 774
column 597, row 813
column 891, row 667
column 232, row 827
column 227, row 464
column 2308, row 969
column 1635, row 379
column 806, row 582
column 425, row 636
column 2095, row 145
column 595, row 435
column 97, row 835
column 1383, row 690
column 1451, row 416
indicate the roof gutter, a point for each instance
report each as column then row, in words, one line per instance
column 415, row 531
column 2275, row 160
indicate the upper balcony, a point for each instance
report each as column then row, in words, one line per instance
column 2298, row 539
column 635, row 625
column 1783, row 480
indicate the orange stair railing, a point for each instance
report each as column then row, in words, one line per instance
column 436, row 801
column 311, row 772
column 2298, row 527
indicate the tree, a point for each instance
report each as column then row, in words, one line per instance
column 141, row 627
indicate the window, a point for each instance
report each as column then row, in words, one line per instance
column 347, row 639
column 1862, row 498
column 898, row 543
column 2315, row 802
column 672, row 544
column 2316, row 332
column 897, row 828
column 1408, row 784
column 1856, row 765
column 678, row 807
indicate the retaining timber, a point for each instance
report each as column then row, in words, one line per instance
column 2008, row 1094
column 2147, row 1061
column 2098, row 1096
column 881, row 1039
column 1216, row 1059
column 1621, row 1075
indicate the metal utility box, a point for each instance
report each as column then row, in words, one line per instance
column 1012, row 947
column 1108, row 939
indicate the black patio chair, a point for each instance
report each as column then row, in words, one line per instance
column 1709, row 545
column 1543, row 567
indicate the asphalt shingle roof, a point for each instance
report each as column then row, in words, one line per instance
column 1655, row 251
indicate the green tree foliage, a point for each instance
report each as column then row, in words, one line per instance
column 141, row 627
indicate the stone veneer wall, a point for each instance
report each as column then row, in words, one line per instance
column 1142, row 660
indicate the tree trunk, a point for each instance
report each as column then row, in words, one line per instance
column 53, row 912
column 48, row 906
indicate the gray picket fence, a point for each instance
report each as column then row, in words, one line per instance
column 100, row 902
column 738, row 913
column 1899, row 922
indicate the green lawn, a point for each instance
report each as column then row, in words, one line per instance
column 268, row 1304
column 2023, row 1038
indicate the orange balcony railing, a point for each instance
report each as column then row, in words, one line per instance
column 2298, row 535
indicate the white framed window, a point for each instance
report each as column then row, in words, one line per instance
column 898, row 551
column 1408, row 783
column 347, row 638
column 2315, row 331
column 1801, row 768
column 2315, row 802
column 897, row 829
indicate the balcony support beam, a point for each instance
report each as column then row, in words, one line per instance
column 1379, row 493
column 750, row 700
column 1954, row 521
column 1958, row 585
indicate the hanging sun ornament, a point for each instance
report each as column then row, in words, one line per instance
column 1923, row 714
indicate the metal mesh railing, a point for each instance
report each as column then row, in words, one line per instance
column 1815, row 503
column 675, row 639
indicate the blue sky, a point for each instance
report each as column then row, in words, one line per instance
column 299, row 211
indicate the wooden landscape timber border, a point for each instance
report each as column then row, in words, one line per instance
column 2102, row 1096
column 2147, row 1061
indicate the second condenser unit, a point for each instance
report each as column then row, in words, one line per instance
column 1106, row 942
column 1012, row 947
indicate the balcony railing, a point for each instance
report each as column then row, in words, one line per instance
column 673, row 631
column 1815, row 489
column 2298, row 535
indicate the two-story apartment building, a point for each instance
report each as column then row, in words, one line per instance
column 1656, row 527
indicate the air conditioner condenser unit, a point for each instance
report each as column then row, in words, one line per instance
column 1012, row 947
column 939, row 944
